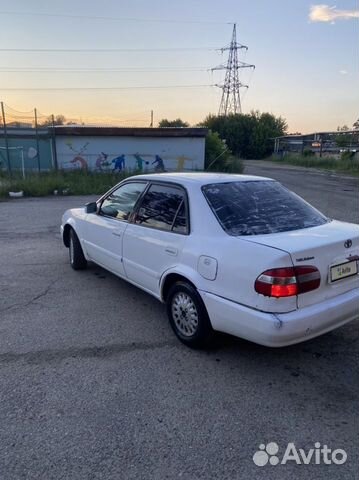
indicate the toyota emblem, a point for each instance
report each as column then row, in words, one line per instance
column 348, row 243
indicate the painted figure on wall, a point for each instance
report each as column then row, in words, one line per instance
column 32, row 153
column 160, row 167
column 101, row 162
column 78, row 161
column 139, row 162
column 119, row 163
column 181, row 162
column 104, row 155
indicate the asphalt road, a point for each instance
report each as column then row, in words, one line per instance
column 335, row 195
column 94, row 385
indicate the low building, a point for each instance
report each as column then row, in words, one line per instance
column 319, row 143
column 72, row 147
column 120, row 148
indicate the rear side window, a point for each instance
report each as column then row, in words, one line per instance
column 180, row 222
column 259, row 207
column 163, row 207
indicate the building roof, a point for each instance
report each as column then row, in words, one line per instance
column 333, row 132
column 14, row 132
column 129, row 131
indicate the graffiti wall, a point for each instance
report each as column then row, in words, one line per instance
column 145, row 154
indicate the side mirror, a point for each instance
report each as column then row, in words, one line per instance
column 91, row 207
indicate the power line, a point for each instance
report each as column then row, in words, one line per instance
column 102, row 50
column 141, row 113
column 118, row 19
column 28, row 112
column 45, row 89
column 98, row 70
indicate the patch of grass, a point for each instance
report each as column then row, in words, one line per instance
column 347, row 165
column 69, row 183
column 231, row 164
column 79, row 182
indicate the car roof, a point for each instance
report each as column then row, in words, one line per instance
column 200, row 178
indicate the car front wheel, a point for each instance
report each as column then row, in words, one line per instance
column 77, row 257
column 188, row 316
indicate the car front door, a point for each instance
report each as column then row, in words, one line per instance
column 105, row 229
column 154, row 240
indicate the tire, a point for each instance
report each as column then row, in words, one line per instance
column 188, row 316
column 77, row 257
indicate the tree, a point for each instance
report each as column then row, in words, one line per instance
column 172, row 123
column 356, row 125
column 58, row 120
column 343, row 128
column 248, row 135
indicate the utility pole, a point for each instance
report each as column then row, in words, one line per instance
column 6, row 138
column 151, row 124
column 37, row 141
column 53, row 138
column 231, row 99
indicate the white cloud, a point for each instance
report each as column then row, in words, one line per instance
column 343, row 72
column 325, row 13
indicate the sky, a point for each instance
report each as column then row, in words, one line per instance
column 306, row 56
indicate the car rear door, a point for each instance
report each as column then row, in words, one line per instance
column 104, row 230
column 154, row 241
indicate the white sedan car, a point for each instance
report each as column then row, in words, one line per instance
column 232, row 253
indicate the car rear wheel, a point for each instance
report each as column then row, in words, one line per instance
column 188, row 316
column 77, row 257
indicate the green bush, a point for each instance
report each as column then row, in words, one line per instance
column 233, row 165
column 307, row 152
column 216, row 152
column 347, row 156
column 218, row 157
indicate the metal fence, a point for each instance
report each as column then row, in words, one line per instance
column 26, row 142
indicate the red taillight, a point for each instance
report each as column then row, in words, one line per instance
column 308, row 278
column 286, row 282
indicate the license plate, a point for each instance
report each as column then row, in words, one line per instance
column 344, row 270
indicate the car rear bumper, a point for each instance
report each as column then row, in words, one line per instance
column 279, row 330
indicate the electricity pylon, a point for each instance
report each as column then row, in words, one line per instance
column 231, row 98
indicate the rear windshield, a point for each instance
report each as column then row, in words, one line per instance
column 259, row 207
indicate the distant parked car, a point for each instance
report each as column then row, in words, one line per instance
column 231, row 253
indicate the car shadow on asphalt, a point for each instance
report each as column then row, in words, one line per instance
column 332, row 352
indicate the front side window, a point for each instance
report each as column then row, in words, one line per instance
column 163, row 207
column 259, row 207
column 120, row 203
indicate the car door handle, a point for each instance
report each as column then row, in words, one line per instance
column 171, row 251
column 117, row 234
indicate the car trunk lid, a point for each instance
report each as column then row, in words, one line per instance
column 333, row 248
